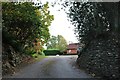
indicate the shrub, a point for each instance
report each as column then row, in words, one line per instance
column 52, row 52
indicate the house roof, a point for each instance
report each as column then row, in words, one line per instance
column 73, row 46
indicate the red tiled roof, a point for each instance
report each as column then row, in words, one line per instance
column 72, row 46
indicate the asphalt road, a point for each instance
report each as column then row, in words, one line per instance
column 52, row 67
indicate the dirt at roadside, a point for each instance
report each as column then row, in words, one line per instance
column 13, row 61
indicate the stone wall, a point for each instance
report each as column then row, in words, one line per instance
column 12, row 59
column 101, row 57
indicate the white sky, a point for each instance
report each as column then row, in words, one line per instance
column 60, row 25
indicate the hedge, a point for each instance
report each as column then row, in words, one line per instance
column 52, row 52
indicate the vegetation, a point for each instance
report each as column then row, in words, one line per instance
column 97, row 26
column 24, row 22
column 93, row 20
column 57, row 43
column 52, row 52
column 24, row 30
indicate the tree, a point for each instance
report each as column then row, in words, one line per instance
column 57, row 43
column 26, row 22
column 93, row 20
column 97, row 26
column 52, row 42
column 62, row 44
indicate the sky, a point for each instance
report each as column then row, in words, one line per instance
column 60, row 25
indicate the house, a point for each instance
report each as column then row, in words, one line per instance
column 72, row 48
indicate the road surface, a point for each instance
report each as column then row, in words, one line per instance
column 52, row 67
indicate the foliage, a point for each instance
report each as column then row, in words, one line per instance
column 11, row 40
column 97, row 26
column 57, row 43
column 52, row 42
column 22, row 23
column 26, row 22
column 62, row 43
column 52, row 52
column 91, row 19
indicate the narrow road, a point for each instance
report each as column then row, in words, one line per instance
column 52, row 67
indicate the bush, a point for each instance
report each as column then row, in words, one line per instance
column 52, row 52
column 29, row 51
column 11, row 40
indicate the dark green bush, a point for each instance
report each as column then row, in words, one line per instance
column 11, row 40
column 29, row 52
column 52, row 52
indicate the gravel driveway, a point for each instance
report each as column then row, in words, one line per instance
column 52, row 67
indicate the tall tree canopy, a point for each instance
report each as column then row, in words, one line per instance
column 57, row 43
column 25, row 22
column 93, row 20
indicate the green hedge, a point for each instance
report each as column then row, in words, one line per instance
column 52, row 52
